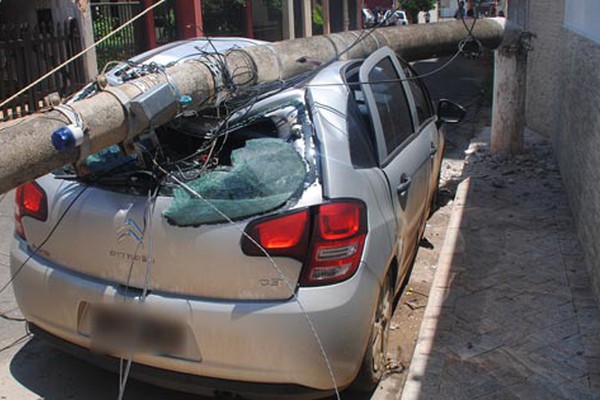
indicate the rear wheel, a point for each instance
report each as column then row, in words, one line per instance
column 375, row 359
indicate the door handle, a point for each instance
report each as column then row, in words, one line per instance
column 432, row 149
column 404, row 184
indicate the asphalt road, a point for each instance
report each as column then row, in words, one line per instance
column 31, row 369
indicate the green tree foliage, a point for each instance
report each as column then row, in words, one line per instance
column 412, row 7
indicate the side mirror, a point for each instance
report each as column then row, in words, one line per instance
column 449, row 112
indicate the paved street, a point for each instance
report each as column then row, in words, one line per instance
column 511, row 313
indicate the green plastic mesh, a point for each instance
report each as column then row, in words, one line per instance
column 106, row 159
column 263, row 176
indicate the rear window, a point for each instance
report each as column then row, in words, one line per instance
column 257, row 164
column 361, row 137
column 264, row 174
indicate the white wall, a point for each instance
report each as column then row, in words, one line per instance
column 583, row 17
column 433, row 15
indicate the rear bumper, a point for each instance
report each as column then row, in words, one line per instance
column 180, row 381
column 250, row 342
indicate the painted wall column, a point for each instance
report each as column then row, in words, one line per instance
column 287, row 13
column 307, row 18
column 326, row 18
column 189, row 18
column 249, row 19
column 345, row 15
column 149, row 29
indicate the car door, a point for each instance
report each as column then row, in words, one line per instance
column 403, row 152
column 426, row 126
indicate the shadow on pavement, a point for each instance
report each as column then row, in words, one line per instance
column 512, row 312
column 54, row 375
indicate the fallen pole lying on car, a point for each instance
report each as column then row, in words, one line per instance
column 118, row 114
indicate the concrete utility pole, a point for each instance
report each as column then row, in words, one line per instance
column 510, row 85
column 109, row 117
column 288, row 19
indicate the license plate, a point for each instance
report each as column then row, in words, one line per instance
column 127, row 331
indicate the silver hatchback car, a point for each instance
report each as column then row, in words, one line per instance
column 258, row 253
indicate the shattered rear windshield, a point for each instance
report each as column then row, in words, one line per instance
column 252, row 163
column 265, row 159
column 264, row 175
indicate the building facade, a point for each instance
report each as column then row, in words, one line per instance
column 563, row 100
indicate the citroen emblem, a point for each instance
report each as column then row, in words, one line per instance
column 130, row 230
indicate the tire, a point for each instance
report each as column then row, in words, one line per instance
column 375, row 358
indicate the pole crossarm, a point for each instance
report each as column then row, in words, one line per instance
column 26, row 150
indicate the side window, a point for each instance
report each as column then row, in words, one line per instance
column 392, row 104
column 422, row 101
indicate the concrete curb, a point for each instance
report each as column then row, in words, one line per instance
column 451, row 249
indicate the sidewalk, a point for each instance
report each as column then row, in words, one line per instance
column 511, row 314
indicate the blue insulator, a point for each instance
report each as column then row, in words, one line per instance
column 185, row 100
column 67, row 137
column 63, row 139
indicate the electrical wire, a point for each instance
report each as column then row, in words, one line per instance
column 377, row 82
column 108, row 64
column 12, row 319
column 364, row 34
column 148, row 217
column 272, row 262
column 229, row 84
column 16, row 342
column 76, row 56
column 55, row 227
column 37, row 248
column 470, row 36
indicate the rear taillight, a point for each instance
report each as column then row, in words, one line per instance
column 337, row 242
column 328, row 239
column 30, row 201
column 285, row 236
